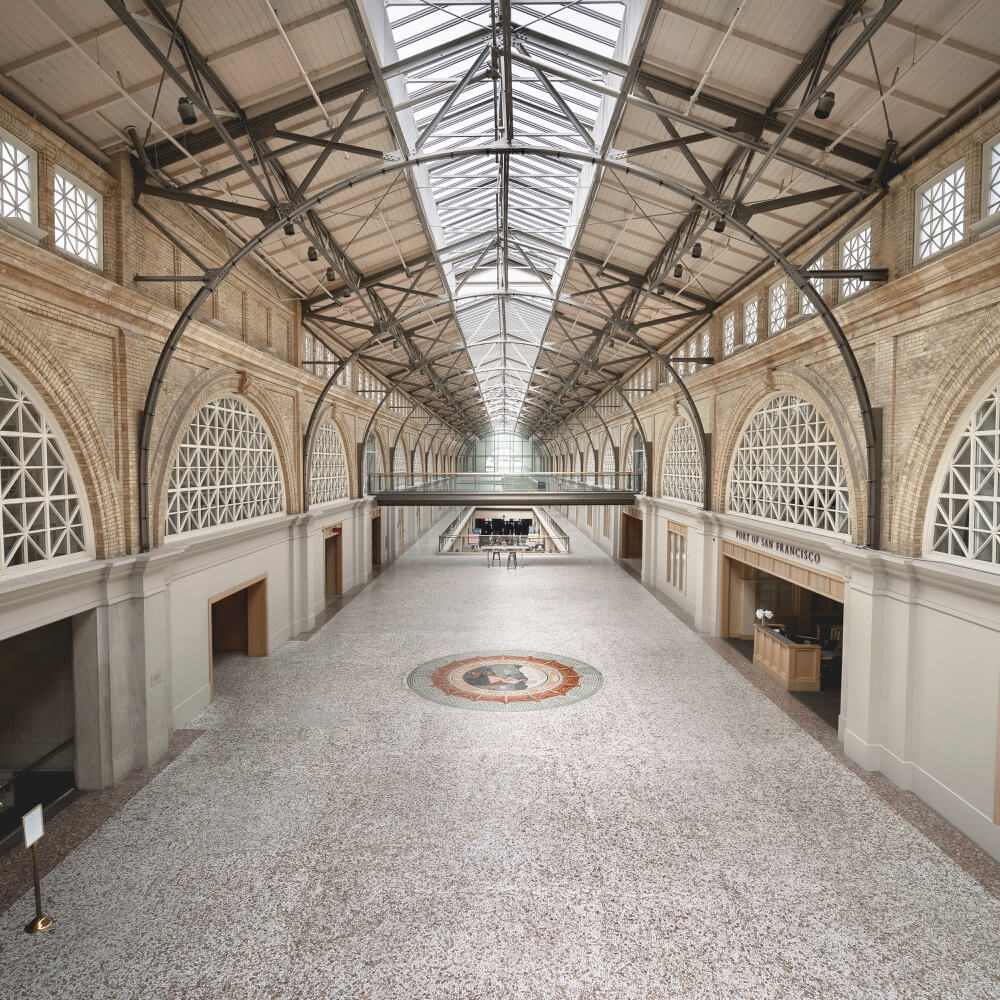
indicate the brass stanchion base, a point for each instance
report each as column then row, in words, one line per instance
column 38, row 925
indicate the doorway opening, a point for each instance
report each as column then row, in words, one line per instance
column 376, row 539
column 237, row 623
column 801, row 644
column 333, row 562
column 631, row 533
column 37, row 722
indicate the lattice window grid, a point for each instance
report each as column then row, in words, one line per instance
column 941, row 213
column 788, row 468
column 41, row 511
column 77, row 219
column 750, row 322
column 991, row 172
column 856, row 252
column 729, row 334
column 226, row 470
column 17, row 180
column 329, row 479
column 777, row 314
column 807, row 308
column 683, row 476
column 967, row 508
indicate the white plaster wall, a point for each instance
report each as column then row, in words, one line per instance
column 921, row 688
column 201, row 569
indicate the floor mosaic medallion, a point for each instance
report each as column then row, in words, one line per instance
column 505, row 682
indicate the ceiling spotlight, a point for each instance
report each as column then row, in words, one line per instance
column 289, row 229
column 186, row 110
column 720, row 225
column 825, row 104
column 331, row 274
column 696, row 251
column 678, row 271
column 312, row 253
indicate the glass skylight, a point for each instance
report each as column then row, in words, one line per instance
column 478, row 74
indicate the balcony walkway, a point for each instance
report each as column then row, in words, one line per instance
column 477, row 488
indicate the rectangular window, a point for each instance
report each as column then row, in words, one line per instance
column 777, row 313
column 705, row 344
column 77, row 219
column 991, row 177
column 941, row 212
column 17, row 179
column 856, row 252
column 728, row 335
column 750, row 322
column 807, row 308
column 692, row 353
column 677, row 556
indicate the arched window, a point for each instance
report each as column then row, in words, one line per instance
column 418, row 469
column 966, row 517
column 683, row 472
column 591, row 465
column 329, row 480
column 635, row 463
column 226, row 470
column 399, row 465
column 787, row 468
column 373, row 462
column 42, row 514
column 608, row 466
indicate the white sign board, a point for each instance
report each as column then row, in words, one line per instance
column 33, row 827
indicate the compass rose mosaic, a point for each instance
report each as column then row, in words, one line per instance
column 505, row 682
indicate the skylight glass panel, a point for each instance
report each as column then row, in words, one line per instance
column 473, row 80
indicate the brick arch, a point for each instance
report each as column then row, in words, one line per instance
column 204, row 389
column 51, row 380
column 820, row 395
column 958, row 390
column 679, row 415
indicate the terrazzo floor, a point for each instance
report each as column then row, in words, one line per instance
column 331, row 834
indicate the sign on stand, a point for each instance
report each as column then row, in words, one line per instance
column 34, row 827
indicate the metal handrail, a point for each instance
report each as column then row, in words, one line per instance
column 9, row 783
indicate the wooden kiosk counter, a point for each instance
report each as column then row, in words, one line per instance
column 794, row 665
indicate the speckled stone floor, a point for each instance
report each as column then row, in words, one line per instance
column 333, row 835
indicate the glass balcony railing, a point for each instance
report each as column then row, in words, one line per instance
column 489, row 482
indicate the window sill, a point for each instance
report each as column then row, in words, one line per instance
column 23, row 230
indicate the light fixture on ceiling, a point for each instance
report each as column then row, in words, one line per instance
column 289, row 229
column 696, row 251
column 312, row 253
column 825, row 104
column 331, row 274
column 186, row 110
column 720, row 225
column 679, row 271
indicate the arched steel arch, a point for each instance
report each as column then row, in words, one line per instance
column 364, row 441
column 214, row 277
